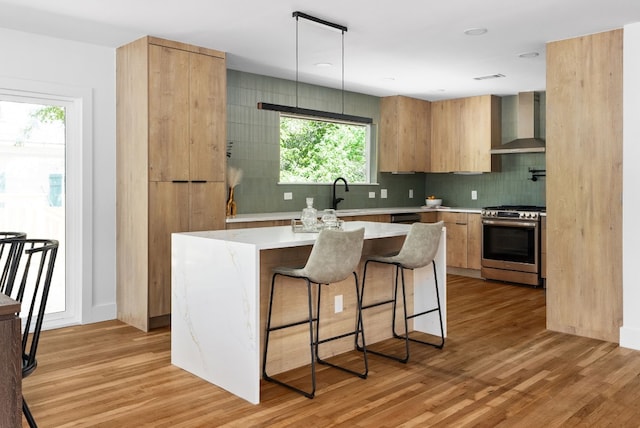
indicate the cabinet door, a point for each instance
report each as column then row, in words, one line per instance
column 168, row 114
column 474, row 241
column 543, row 247
column 205, row 212
column 471, row 134
column 422, row 152
column 208, row 132
column 428, row 217
column 479, row 131
column 168, row 213
column 445, row 135
column 405, row 134
column 456, row 224
column 387, row 152
column 405, row 144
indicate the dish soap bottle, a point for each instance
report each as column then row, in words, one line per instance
column 309, row 216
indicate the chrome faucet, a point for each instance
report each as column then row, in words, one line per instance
column 336, row 201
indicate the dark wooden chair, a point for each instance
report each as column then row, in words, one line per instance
column 31, row 281
column 10, row 251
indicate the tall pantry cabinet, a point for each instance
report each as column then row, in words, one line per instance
column 584, row 185
column 171, row 157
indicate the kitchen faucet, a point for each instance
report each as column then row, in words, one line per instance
column 335, row 200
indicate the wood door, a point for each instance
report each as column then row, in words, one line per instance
column 422, row 147
column 445, row 135
column 389, row 118
column 405, row 134
column 168, row 213
column 474, row 241
column 584, row 184
column 543, row 247
column 431, row 217
column 168, row 114
column 456, row 224
column 208, row 123
column 207, row 208
column 479, row 132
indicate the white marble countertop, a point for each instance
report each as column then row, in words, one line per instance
column 240, row 218
column 264, row 238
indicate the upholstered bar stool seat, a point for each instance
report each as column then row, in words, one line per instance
column 419, row 249
column 334, row 257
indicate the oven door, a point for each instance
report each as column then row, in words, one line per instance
column 510, row 245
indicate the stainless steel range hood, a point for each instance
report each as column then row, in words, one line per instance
column 528, row 118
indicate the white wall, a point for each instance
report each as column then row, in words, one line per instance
column 630, row 330
column 44, row 61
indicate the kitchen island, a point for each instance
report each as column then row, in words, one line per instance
column 220, row 286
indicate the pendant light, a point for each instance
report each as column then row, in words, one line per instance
column 308, row 112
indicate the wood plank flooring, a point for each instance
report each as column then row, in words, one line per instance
column 500, row 367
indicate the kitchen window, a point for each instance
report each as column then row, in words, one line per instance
column 314, row 150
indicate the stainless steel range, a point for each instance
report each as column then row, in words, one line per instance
column 511, row 244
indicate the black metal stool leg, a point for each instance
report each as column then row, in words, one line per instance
column 436, row 309
column 269, row 329
column 27, row 414
column 356, row 332
column 399, row 272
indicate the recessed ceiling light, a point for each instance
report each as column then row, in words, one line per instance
column 323, row 64
column 529, row 55
column 389, row 79
column 475, row 31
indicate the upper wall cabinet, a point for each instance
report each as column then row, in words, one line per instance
column 187, row 92
column 463, row 131
column 404, row 135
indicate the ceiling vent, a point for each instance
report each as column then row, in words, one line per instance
column 490, row 76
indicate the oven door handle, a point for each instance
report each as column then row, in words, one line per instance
column 510, row 223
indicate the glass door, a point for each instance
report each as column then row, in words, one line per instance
column 32, row 178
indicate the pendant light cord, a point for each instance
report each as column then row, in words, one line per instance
column 297, row 60
column 343, row 72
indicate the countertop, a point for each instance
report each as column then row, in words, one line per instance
column 265, row 238
column 240, row 218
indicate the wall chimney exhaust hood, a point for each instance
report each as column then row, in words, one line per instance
column 528, row 118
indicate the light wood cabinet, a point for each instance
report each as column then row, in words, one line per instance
column 543, row 247
column 405, row 134
column 474, row 241
column 250, row 224
column 380, row 218
column 188, row 93
column 463, row 131
column 584, row 185
column 463, row 239
column 428, row 217
column 171, row 157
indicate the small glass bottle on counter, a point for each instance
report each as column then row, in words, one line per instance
column 309, row 216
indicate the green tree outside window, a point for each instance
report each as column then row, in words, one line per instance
column 318, row 151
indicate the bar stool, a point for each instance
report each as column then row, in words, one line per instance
column 334, row 256
column 419, row 249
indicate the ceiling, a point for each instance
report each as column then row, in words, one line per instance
column 412, row 47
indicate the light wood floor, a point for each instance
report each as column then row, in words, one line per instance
column 499, row 367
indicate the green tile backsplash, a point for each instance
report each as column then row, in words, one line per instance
column 255, row 136
column 512, row 186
